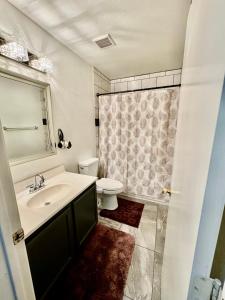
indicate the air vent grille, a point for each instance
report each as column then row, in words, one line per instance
column 104, row 41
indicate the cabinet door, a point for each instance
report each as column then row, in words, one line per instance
column 85, row 214
column 50, row 250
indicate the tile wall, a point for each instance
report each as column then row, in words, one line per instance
column 101, row 85
column 150, row 80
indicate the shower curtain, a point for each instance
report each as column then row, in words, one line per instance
column 136, row 139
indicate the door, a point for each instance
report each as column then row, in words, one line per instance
column 202, row 81
column 14, row 273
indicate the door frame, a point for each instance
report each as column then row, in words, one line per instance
column 16, row 255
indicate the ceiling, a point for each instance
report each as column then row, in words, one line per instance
column 149, row 34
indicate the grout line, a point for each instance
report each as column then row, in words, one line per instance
column 153, row 275
column 156, row 231
column 145, row 248
column 157, row 252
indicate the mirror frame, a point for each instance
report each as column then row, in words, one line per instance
column 47, row 94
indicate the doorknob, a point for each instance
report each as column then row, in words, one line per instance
column 169, row 191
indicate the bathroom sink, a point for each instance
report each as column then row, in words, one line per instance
column 49, row 196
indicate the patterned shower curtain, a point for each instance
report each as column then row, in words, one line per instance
column 136, row 139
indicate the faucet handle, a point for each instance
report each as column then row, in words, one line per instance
column 30, row 186
column 42, row 180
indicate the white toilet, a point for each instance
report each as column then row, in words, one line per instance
column 107, row 189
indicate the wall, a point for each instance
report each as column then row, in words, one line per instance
column 101, row 86
column 150, row 80
column 202, row 81
column 71, row 88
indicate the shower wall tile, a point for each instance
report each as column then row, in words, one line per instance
column 165, row 80
column 101, row 85
column 127, row 79
column 177, row 79
column 159, row 74
column 120, row 86
column 173, row 72
column 141, row 77
column 145, row 81
column 148, row 83
column 134, row 85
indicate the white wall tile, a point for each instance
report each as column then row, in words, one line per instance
column 148, row 83
column 134, row 85
column 158, row 74
column 141, row 77
column 120, row 86
column 116, row 80
column 101, row 85
column 112, row 87
column 177, row 79
column 165, row 80
column 127, row 79
column 173, row 72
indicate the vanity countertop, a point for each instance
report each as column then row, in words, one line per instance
column 32, row 218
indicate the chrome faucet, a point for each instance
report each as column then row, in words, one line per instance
column 36, row 186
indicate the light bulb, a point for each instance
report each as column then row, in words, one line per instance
column 15, row 51
column 42, row 64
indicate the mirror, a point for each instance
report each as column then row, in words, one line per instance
column 25, row 113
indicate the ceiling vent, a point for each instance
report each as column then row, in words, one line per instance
column 104, row 41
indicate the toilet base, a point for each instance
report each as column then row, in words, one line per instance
column 108, row 201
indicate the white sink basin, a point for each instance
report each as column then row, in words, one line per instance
column 49, row 196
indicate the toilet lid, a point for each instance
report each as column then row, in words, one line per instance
column 109, row 184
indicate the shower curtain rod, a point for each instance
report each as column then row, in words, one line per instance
column 139, row 90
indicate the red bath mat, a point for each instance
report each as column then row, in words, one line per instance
column 101, row 271
column 128, row 212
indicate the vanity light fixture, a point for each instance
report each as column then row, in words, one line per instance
column 14, row 51
column 42, row 64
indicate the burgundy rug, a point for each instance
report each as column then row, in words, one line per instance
column 128, row 212
column 102, row 268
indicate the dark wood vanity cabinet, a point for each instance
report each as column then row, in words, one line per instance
column 84, row 222
column 50, row 250
column 52, row 246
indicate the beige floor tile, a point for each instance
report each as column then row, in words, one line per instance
column 146, row 233
column 161, row 228
column 150, row 211
column 156, row 289
column 110, row 223
column 140, row 276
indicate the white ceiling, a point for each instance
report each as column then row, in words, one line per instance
column 149, row 33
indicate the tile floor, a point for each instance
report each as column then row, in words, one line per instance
column 144, row 277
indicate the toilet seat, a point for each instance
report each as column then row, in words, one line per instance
column 109, row 186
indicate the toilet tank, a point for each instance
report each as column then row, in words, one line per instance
column 89, row 167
